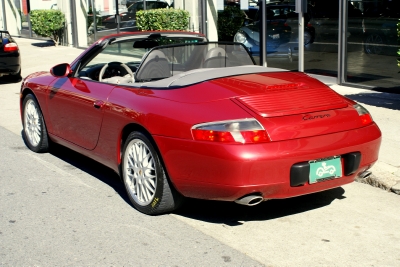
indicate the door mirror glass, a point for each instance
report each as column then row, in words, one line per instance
column 61, row 70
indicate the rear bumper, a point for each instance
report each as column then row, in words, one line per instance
column 227, row 172
column 10, row 63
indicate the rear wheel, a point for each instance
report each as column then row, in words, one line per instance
column 373, row 44
column 34, row 128
column 144, row 177
column 307, row 37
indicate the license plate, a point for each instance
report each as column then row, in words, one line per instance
column 275, row 36
column 325, row 169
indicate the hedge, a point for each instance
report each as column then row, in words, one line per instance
column 162, row 19
column 229, row 22
column 48, row 23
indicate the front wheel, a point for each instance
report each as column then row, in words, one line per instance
column 146, row 183
column 34, row 128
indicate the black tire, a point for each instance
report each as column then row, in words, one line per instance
column 34, row 128
column 307, row 38
column 145, row 180
column 374, row 44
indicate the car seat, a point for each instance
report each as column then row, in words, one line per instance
column 215, row 58
column 155, row 67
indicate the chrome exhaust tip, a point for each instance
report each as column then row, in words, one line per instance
column 364, row 174
column 250, row 200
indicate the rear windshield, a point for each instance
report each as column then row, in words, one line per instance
column 132, row 50
column 166, row 61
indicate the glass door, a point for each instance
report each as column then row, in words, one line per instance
column 128, row 11
column 371, row 59
column 107, row 17
column 321, row 56
column 104, row 18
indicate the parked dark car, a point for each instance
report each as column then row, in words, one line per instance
column 10, row 59
column 128, row 19
column 380, row 29
column 282, row 29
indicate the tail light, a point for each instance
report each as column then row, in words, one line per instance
column 10, row 47
column 364, row 114
column 245, row 131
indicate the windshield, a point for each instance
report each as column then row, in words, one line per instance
column 166, row 61
column 132, row 50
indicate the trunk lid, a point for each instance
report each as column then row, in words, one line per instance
column 294, row 105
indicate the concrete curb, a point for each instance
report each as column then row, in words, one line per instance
column 377, row 182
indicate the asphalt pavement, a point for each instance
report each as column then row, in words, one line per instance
column 40, row 55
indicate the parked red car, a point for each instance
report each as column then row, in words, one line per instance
column 177, row 116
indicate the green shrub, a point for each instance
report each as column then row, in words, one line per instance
column 48, row 23
column 229, row 22
column 162, row 19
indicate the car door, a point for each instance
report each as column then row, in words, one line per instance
column 75, row 109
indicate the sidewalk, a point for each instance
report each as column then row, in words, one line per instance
column 37, row 55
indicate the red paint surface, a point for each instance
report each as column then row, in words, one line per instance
column 205, row 169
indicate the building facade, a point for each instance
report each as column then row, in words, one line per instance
column 354, row 41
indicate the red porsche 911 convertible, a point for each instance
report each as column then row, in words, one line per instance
column 177, row 116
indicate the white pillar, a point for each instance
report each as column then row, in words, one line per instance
column 212, row 20
column 64, row 7
column 193, row 8
column 13, row 18
column 81, row 12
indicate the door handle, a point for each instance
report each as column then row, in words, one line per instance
column 98, row 104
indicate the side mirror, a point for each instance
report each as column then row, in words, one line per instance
column 247, row 22
column 61, row 70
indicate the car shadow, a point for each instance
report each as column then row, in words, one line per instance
column 383, row 100
column 220, row 212
column 7, row 80
column 232, row 214
column 91, row 167
column 45, row 43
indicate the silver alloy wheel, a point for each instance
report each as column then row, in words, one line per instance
column 139, row 172
column 32, row 123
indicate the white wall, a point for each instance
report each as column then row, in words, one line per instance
column 194, row 7
column 81, row 16
column 40, row 4
column 2, row 20
column 64, row 7
column 13, row 18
